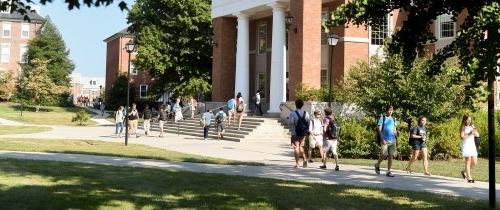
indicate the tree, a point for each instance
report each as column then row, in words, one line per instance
column 23, row 6
column 38, row 85
column 49, row 45
column 174, row 39
column 118, row 94
column 477, row 43
column 7, row 84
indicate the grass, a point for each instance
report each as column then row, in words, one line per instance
column 7, row 129
column 46, row 115
column 109, row 149
column 450, row 168
column 28, row 184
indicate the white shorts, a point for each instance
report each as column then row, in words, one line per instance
column 330, row 145
column 316, row 141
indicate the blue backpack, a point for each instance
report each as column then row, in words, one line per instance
column 302, row 126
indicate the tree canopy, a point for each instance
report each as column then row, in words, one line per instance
column 174, row 38
column 22, row 6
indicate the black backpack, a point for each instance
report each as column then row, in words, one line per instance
column 219, row 118
column 147, row 114
column 302, row 126
column 333, row 129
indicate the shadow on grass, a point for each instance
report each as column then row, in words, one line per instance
column 28, row 184
column 29, row 108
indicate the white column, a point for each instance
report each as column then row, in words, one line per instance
column 278, row 59
column 242, row 80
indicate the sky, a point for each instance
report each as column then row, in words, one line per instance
column 84, row 30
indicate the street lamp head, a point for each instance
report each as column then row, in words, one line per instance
column 288, row 20
column 333, row 39
column 130, row 46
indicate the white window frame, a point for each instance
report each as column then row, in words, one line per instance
column 133, row 69
column 22, row 54
column 259, row 50
column 25, row 27
column 140, row 90
column 388, row 31
column 323, row 83
column 2, row 58
column 6, row 25
column 439, row 20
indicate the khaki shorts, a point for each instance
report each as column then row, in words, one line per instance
column 315, row 141
column 161, row 123
column 389, row 148
column 330, row 145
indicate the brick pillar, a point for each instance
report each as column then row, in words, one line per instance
column 304, row 47
column 224, row 58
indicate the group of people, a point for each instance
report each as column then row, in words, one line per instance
column 149, row 115
column 324, row 134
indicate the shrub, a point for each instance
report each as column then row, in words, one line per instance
column 81, row 117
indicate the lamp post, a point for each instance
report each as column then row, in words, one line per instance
column 129, row 47
column 332, row 42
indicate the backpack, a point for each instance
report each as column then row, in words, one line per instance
column 333, row 129
column 302, row 126
column 219, row 118
column 379, row 138
column 240, row 107
column 147, row 114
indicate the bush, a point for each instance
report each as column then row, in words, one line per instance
column 81, row 117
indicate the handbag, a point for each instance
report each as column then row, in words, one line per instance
column 477, row 141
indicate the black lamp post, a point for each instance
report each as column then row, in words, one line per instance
column 130, row 47
column 332, row 42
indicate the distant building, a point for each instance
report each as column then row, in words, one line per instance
column 117, row 63
column 90, row 87
column 15, row 33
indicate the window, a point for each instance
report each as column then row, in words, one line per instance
column 143, row 90
column 6, row 30
column 380, row 31
column 445, row 26
column 25, row 31
column 262, row 39
column 324, row 77
column 23, row 56
column 5, row 55
column 261, row 84
column 133, row 70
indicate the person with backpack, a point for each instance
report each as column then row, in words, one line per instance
column 386, row 128
column 258, row 106
column 207, row 119
column 316, row 135
column 220, row 118
column 146, row 115
column 299, row 129
column 417, row 142
column 240, row 109
column 119, row 117
column 162, row 118
column 331, row 135
column 231, row 110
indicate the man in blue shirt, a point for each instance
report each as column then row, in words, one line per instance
column 207, row 118
column 231, row 107
column 387, row 130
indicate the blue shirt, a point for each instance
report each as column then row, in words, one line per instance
column 208, row 118
column 389, row 127
column 231, row 103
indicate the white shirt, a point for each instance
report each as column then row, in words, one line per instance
column 257, row 98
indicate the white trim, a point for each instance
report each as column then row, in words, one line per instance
column 6, row 25
column 438, row 27
column 21, row 46
column 354, row 39
column 133, row 68
column 7, row 60
column 27, row 27
column 140, row 92
column 229, row 7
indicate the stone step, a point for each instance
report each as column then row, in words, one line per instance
column 212, row 131
column 243, row 130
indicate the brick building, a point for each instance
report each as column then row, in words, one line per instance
column 117, row 62
column 255, row 49
column 15, row 33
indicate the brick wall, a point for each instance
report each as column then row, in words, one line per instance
column 224, row 58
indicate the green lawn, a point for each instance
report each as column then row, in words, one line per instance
column 46, row 115
column 450, row 168
column 108, row 149
column 7, row 129
column 28, row 184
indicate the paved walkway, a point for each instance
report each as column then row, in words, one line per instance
column 350, row 175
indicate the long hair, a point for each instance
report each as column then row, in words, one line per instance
column 464, row 121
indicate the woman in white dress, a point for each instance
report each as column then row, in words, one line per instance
column 468, row 147
column 178, row 111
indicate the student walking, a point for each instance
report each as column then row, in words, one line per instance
column 207, row 119
column 331, row 131
column 119, row 117
column 418, row 137
column 387, row 131
column 231, row 110
column 133, row 117
column 316, row 135
column 468, row 147
column 162, row 118
column 258, row 106
column 177, row 109
column 147, row 115
column 193, row 104
column 240, row 109
column 299, row 121
column 220, row 119
column 101, row 107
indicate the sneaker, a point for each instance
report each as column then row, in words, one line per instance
column 311, row 161
column 322, row 167
column 389, row 174
column 304, row 164
column 337, row 168
column 205, row 139
column 377, row 169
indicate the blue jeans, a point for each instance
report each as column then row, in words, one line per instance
column 119, row 125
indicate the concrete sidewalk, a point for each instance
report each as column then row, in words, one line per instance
column 350, row 175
